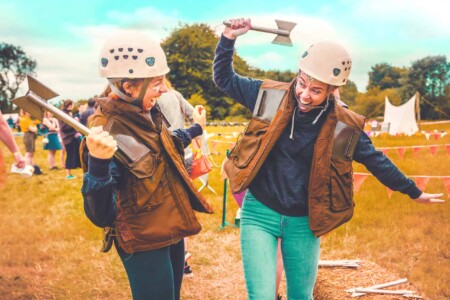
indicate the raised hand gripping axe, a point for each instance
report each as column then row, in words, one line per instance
column 283, row 31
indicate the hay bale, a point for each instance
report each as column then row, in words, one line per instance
column 333, row 281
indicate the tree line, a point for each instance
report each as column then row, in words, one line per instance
column 190, row 51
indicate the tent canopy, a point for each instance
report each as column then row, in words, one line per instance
column 401, row 119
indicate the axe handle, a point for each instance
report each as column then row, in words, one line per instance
column 58, row 113
column 263, row 29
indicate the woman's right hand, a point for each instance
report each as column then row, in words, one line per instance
column 238, row 27
column 199, row 115
column 100, row 144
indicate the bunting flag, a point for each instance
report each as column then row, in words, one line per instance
column 401, row 152
column 358, row 180
column 385, row 151
column 447, row 185
column 416, row 151
column 223, row 174
column 214, row 145
column 448, row 149
column 433, row 149
column 427, row 135
column 436, row 135
column 389, row 192
column 422, row 182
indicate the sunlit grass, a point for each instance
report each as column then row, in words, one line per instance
column 51, row 251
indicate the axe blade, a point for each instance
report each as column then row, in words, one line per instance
column 29, row 106
column 285, row 25
column 40, row 89
column 282, row 40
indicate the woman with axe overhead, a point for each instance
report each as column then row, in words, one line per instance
column 295, row 157
column 141, row 194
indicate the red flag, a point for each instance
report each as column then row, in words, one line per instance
column 422, row 182
column 401, row 152
column 436, row 135
column 358, row 180
column 416, row 151
column 389, row 192
column 447, row 185
column 448, row 149
column 433, row 150
column 385, row 151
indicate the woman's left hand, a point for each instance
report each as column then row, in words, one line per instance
column 426, row 198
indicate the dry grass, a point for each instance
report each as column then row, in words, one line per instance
column 51, row 251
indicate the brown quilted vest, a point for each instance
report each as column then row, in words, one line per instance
column 330, row 192
column 156, row 199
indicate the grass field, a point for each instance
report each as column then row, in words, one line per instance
column 51, row 251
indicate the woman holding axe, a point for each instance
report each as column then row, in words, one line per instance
column 295, row 157
column 142, row 196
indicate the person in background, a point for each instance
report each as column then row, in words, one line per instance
column 142, row 196
column 177, row 111
column 7, row 137
column 29, row 129
column 88, row 111
column 71, row 140
column 296, row 160
column 50, row 127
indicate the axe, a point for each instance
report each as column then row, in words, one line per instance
column 35, row 102
column 283, row 31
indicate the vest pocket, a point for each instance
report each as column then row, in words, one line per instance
column 148, row 191
column 247, row 146
column 341, row 185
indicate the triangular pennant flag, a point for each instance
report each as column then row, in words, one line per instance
column 416, row 151
column 448, row 149
column 358, row 180
column 422, row 182
column 433, row 150
column 223, row 174
column 214, row 145
column 436, row 135
column 443, row 133
column 427, row 135
column 232, row 145
column 389, row 192
column 447, row 185
column 401, row 152
column 385, row 151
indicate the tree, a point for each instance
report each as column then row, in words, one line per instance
column 385, row 76
column 348, row 93
column 429, row 76
column 371, row 103
column 14, row 66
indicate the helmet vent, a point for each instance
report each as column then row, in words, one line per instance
column 134, row 57
column 116, row 57
column 125, row 56
column 120, row 49
column 104, row 62
column 140, row 50
column 130, row 49
column 336, row 71
column 111, row 51
column 130, row 71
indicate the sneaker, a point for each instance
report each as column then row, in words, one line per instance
column 187, row 255
column 70, row 177
column 187, row 270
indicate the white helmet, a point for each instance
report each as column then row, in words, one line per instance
column 327, row 62
column 132, row 56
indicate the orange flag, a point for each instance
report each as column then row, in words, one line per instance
column 436, row 135
column 385, row 151
column 448, row 149
column 433, row 150
column 401, row 152
column 422, row 182
column 389, row 192
column 447, row 185
column 416, row 151
column 358, row 180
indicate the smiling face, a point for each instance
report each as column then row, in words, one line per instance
column 310, row 92
column 155, row 88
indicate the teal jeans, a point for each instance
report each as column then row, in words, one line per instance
column 261, row 227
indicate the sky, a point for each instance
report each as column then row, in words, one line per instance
column 65, row 37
